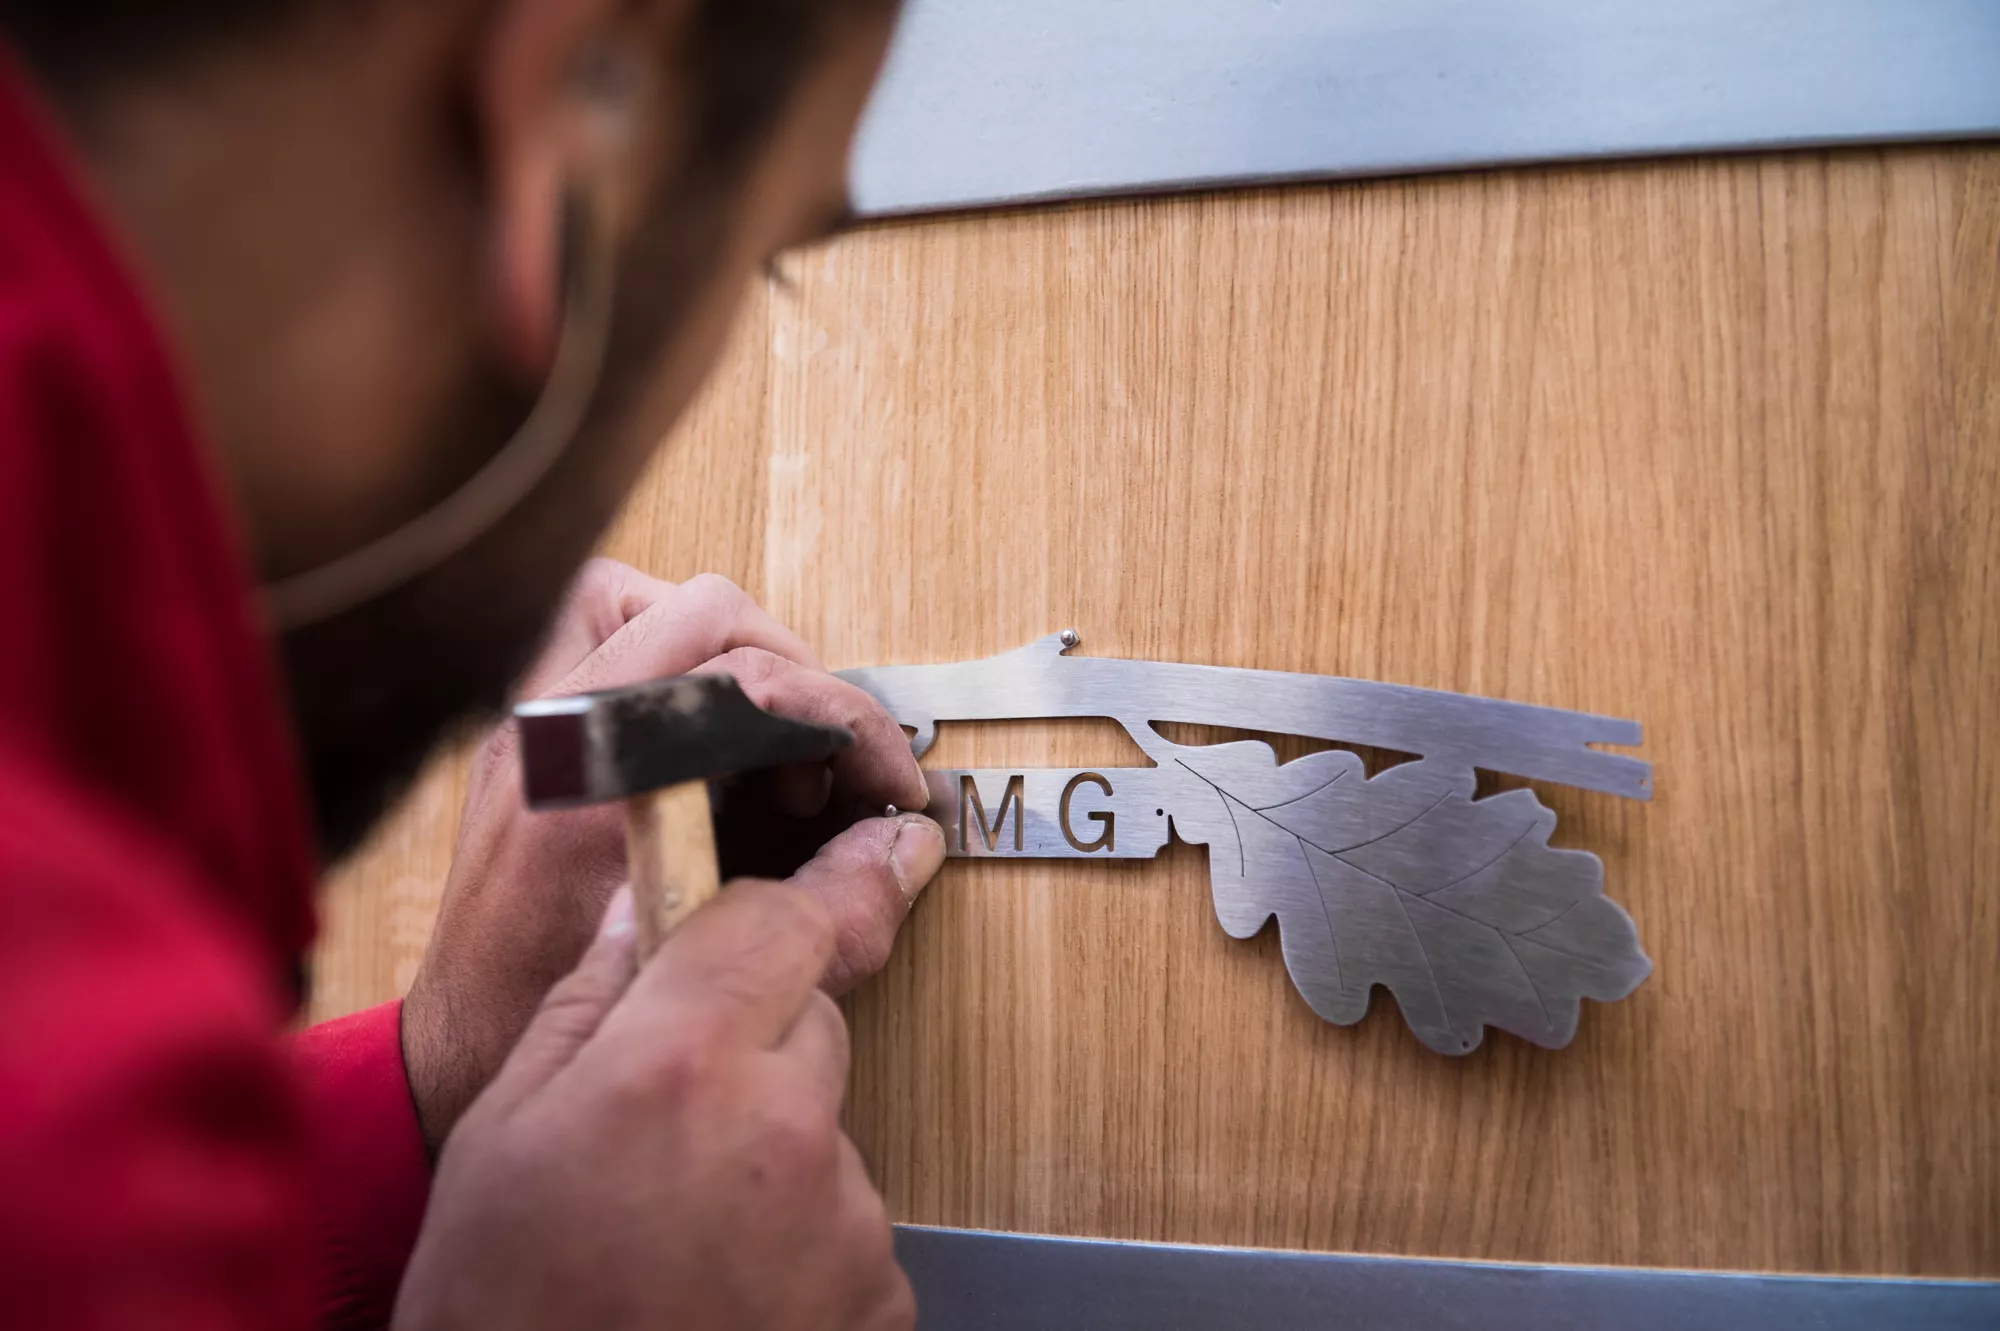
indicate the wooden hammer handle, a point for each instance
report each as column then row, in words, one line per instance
column 670, row 855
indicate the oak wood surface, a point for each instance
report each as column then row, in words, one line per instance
column 1711, row 444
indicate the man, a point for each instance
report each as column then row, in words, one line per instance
column 331, row 334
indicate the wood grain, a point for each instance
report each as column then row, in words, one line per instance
column 1712, row 444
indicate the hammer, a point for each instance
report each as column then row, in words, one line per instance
column 656, row 746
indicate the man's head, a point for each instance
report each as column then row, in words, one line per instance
column 358, row 218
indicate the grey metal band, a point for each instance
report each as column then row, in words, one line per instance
column 1460, row 906
column 970, row 1280
column 1043, row 680
column 993, row 103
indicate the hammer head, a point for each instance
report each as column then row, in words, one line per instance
column 623, row 743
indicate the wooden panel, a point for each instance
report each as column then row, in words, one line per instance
column 1715, row 445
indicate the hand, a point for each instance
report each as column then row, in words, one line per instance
column 665, row 1150
column 526, row 890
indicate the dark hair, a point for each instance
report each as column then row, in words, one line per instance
column 746, row 54
column 77, row 44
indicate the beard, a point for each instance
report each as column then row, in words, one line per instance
column 376, row 689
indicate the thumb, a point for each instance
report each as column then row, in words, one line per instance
column 576, row 1006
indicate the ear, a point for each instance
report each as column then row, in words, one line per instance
column 527, row 94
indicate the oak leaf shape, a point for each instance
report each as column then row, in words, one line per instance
column 1458, row 905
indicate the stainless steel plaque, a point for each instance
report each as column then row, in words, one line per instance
column 987, row 103
column 970, row 1280
column 1459, row 905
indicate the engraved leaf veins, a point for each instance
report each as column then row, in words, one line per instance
column 1459, row 906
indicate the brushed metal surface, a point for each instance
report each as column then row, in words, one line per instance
column 1458, row 905
column 985, row 103
column 970, row 1280
column 1044, row 680
column 1111, row 813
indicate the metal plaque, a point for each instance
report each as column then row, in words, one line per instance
column 985, row 103
column 969, row 1280
column 1457, row 904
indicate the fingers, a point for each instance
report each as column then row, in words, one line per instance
column 886, row 1303
column 742, row 968
column 868, row 878
column 697, row 621
column 746, row 965
column 879, row 769
column 604, row 597
column 621, row 627
column 896, row 1308
column 818, row 1050
column 577, row 1006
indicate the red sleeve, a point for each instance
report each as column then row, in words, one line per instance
column 372, row 1175
column 155, row 1153
column 167, row 1166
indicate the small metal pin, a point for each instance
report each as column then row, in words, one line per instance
column 891, row 811
column 1069, row 638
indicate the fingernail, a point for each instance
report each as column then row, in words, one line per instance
column 618, row 915
column 919, row 790
column 918, row 852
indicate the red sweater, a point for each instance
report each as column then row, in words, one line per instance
column 167, row 1160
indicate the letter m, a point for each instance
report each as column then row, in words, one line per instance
column 968, row 795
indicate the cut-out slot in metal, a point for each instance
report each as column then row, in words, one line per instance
column 1403, row 878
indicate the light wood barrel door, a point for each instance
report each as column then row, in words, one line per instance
column 1714, row 445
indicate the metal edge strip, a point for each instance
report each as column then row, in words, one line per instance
column 976, row 1280
column 986, row 105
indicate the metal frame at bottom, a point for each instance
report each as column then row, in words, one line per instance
column 971, row 1280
